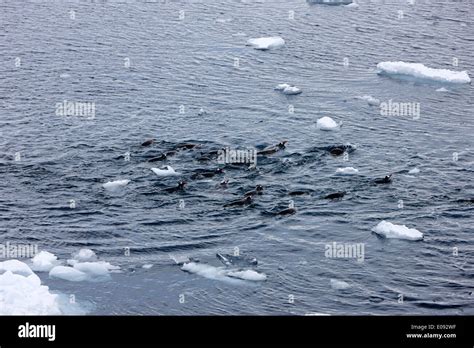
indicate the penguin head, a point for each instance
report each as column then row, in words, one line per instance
column 259, row 188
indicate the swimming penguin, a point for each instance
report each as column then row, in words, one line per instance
column 162, row 157
column 241, row 261
column 336, row 151
column 336, row 195
column 258, row 191
column 186, row 146
column 299, row 193
column 386, row 180
column 180, row 187
column 240, row 202
column 206, row 173
column 272, row 149
column 287, row 211
column 148, row 142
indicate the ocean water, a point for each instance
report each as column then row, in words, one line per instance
column 180, row 71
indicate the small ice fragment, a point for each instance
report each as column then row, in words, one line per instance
column 389, row 230
column 339, row 284
column 327, row 124
column 113, row 185
column 266, row 43
column 67, row 273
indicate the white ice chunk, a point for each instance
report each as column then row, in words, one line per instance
column 95, row 269
column 339, row 284
column 266, row 43
column 282, row 86
column 24, row 295
column 16, row 267
column 247, row 275
column 389, row 230
column 147, row 266
column 421, row 71
column 442, row 89
column 327, row 124
column 206, row 271
column 369, row 99
column 414, row 171
column 44, row 262
column 164, row 172
column 288, row 89
column 67, row 273
column 84, row 255
column 221, row 273
column 347, row 171
column 114, row 185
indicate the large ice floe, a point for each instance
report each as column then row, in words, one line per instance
column 21, row 292
column 168, row 171
column 421, row 71
column 83, row 266
column 347, row 171
column 266, row 43
column 339, row 284
column 389, row 230
column 222, row 273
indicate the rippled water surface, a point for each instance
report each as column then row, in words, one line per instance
column 190, row 55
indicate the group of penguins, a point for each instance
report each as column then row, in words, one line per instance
column 248, row 197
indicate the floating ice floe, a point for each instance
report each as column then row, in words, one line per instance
column 147, row 266
column 266, row 43
column 442, row 89
column 221, row 273
column 414, row 171
column 16, row 267
column 347, row 171
column 44, row 262
column 339, row 284
column 67, row 273
column 327, row 124
column 288, row 89
column 247, row 275
column 83, row 266
column 164, row 172
column 369, row 99
column 80, row 271
column 21, row 292
column 84, row 255
column 421, row 71
column 114, row 185
column 389, row 230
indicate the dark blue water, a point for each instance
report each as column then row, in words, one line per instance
column 142, row 63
